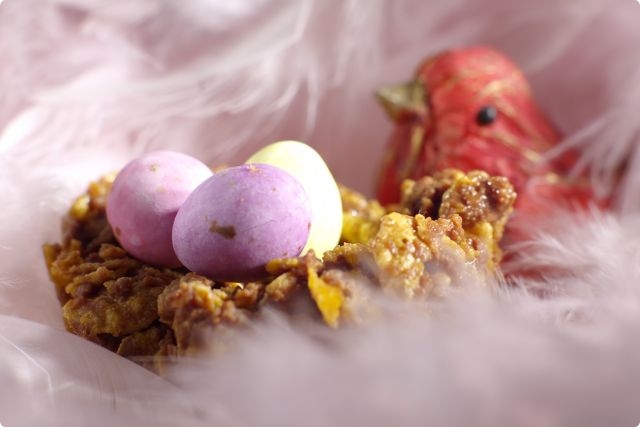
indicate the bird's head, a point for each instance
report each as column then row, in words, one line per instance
column 466, row 109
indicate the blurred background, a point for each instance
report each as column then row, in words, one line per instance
column 218, row 79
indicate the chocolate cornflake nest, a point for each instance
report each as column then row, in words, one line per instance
column 444, row 232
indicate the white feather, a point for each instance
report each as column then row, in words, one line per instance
column 86, row 85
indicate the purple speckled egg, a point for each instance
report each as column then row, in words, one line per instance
column 145, row 199
column 239, row 219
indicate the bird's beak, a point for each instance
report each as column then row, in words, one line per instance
column 403, row 99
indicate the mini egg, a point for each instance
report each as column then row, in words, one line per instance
column 145, row 198
column 239, row 219
column 308, row 167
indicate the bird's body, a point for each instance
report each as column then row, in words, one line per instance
column 472, row 109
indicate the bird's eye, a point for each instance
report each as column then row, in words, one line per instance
column 486, row 115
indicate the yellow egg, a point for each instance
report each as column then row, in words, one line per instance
column 308, row 167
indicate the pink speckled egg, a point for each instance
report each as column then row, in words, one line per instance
column 239, row 219
column 145, row 199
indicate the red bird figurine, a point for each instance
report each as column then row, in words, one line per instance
column 473, row 109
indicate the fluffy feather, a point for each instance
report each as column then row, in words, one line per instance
column 86, row 85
